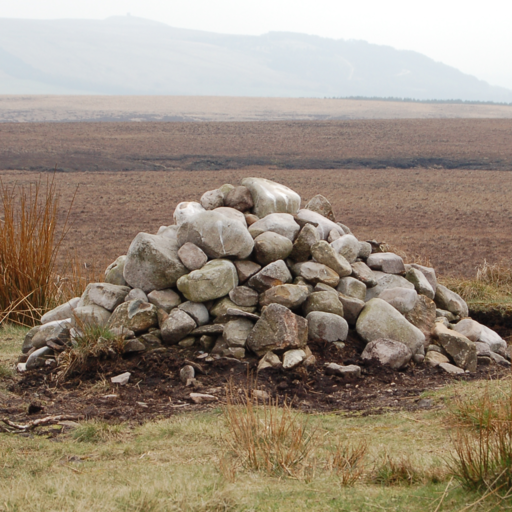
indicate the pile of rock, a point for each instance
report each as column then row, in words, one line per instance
column 246, row 270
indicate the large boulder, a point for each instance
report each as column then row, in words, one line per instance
column 326, row 327
column 278, row 330
column 316, row 273
column 61, row 312
column 290, row 295
column 281, row 223
column 274, row 274
column 327, row 302
column 307, row 238
column 176, row 326
column 185, row 211
column 385, row 282
column 114, row 274
column 352, row 287
column 106, row 295
column 217, row 234
column 324, row 253
column 216, row 279
column 152, row 263
column 232, row 214
column 450, row 301
column 323, row 225
column 402, row 299
column 387, row 353
column 469, row 328
column 381, row 320
column 457, row 346
column 493, row 339
column 137, row 316
column 270, row 197
column 348, row 246
column 321, row 205
column 387, row 262
column 270, row 246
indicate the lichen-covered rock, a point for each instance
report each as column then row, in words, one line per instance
column 324, row 253
column 289, row 295
column 317, row 273
column 270, row 246
column 459, row 348
column 270, row 197
column 280, row 223
column 323, row 301
column 321, row 205
column 135, row 315
column 164, row 299
column 450, row 301
column 192, row 256
column 348, row 246
column 386, row 352
column 278, row 330
column 114, row 274
column 176, row 326
column 152, row 263
column 216, row 279
column 387, row 262
column 217, row 234
column 381, row 320
column 352, row 287
column 306, row 239
column 106, row 295
column 326, row 327
column 274, row 274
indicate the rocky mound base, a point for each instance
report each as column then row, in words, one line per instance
column 246, row 271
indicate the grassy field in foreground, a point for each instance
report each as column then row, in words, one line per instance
column 191, row 463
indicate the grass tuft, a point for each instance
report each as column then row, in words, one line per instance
column 97, row 432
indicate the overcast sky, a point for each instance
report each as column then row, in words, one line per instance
column 474, row 36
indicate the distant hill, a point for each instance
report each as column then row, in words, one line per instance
column 133, row 56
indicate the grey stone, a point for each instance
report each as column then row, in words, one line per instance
column 348, row 246
column 402, row 299
column 482, row 349
column 232, row 213
column 239, row 198
column 187, row 342
column 457, row 346
column 352, row 287
column 333, row 235
column 326, row 302
column 270, row 246
column 38, row 358
column 200, row 398
column 387, row 353
column 246, row 269
column 349, row 371
column 321, row 205
column 192, row 256
column 212, row 199
column 133, row 346
column 91, row 315
column 168, row 231
column 322, row 287
column 197, row 311
column 206, row 342
column 498, row 359
column 106, row 295
column 307, row 237
column 316, row 273
column 217, row 234
column 381, row 320
column 216, row 279
column 352, row 308
column 469, row 328
column 136, row 294
column 221, row 308
column 152, row 263
column 164, row 299
column 450, row 368
column 323, row 225
column 114, row 274
column 293, row 358
column 386, row 281
column 56, row 331
column 150, row 341
column 135, row 315
column 288, row 295
column 324, row 253
column 27, row 342
column 278, row 329
column 121, row 379
column 326, row 327
column 244, row 296
column 185, row 211
column 365, row 249
column 423, row 316
column 434, row 358
column 280, row 223
column 364, row 273
column 270, row 197
column 236, row 332
column 61, row 312
column 275, row 274
column 420, row 282
column 243, row 314
column 387, row 262
column 450, row 317
column 269, row 360
column 493, row 339
column 450, row 301
column 428, row 272
column 251, row 218
column 208, row 330
column 187, row 373
column 176, row 326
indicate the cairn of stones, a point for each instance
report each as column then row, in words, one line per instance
column 247, row 272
